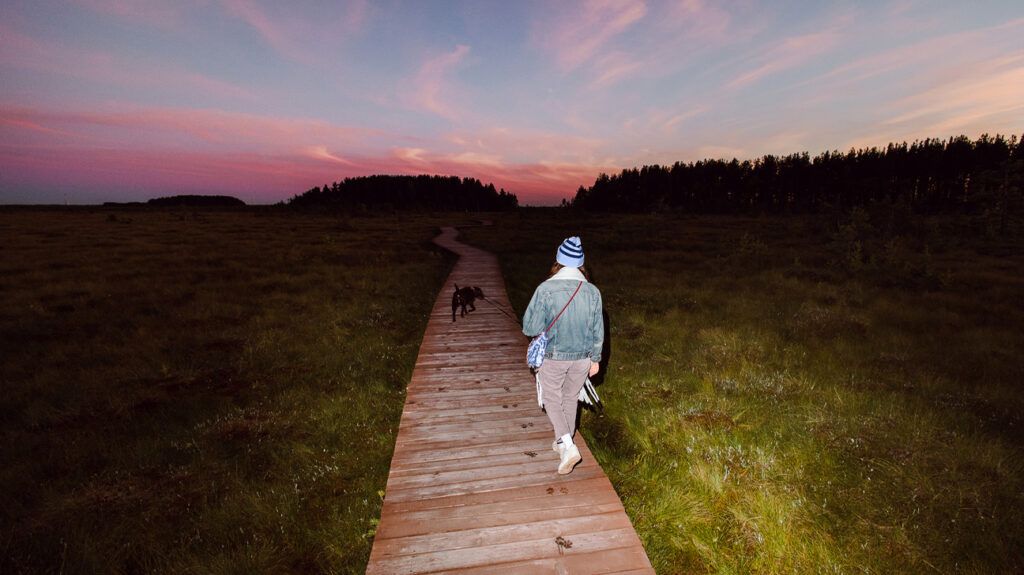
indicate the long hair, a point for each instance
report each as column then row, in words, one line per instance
column 557, row 266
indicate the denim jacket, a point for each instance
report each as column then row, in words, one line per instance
column 579, row 333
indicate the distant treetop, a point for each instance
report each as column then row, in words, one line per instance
column 196, row 201
column 422, row 192
column 958, row 175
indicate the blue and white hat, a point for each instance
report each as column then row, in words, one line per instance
column 570, row 253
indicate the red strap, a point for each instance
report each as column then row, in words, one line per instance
column 563, row 307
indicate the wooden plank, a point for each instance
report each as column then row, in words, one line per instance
column 469, row 441
column 488, row 484
column 561, row 486
column 473, row 486
column 605, row 562
column 536, row 551
column 503, row 512
column 501, row 534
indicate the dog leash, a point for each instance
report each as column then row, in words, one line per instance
column 505, row 312
column 519, row 322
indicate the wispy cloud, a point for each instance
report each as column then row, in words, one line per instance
column 270, row 29
column 264, row 177
column 787, row 54
column 672, row 123
column 986, row 98
column 722, row 152
column 279, row 155
column 541, row 182
column 432, row 90
column 609, row 42
column 613, row 67
column 549, row 95
column 17, row 122
column 575, row 32
column 697, row 18
column 19, row 50
column 518, row 144
column 321, row 153
column 156, row 13
column 120, row 174
column 302, row 38
column 918, row 58
column 187, row 128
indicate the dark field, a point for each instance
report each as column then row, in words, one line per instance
column 788, row 395
column 218, row 391
column 203, row 392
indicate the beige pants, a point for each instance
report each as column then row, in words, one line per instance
column 560, row 385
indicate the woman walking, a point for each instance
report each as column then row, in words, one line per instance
column 575, row 339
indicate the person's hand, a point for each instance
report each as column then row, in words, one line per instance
column 594, row 368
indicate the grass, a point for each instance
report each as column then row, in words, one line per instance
column 788, row 396
column 203, row 392
column 218, row 391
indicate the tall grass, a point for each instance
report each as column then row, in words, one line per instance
column 771, row 408
column 203, row 392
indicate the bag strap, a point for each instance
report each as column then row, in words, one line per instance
column 563, row 307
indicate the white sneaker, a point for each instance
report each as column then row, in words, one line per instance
column 570, row 457
column 557, row 447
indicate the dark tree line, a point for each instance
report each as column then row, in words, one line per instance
column 196, row 201
column 930, row 176
column 407, row 193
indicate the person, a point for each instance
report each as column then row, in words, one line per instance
column 574, row 342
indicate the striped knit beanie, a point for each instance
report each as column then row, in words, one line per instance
column 570, row 253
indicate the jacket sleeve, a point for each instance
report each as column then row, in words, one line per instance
column 533, row 319
column 597, row 331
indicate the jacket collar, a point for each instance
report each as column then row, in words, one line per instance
column 569, row 274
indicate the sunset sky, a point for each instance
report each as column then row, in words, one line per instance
column 118, row 100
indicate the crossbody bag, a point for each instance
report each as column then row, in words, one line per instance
column 535, row 353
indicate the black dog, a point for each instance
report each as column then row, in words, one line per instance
column 463, row 297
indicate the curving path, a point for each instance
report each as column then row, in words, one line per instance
column 473, row 486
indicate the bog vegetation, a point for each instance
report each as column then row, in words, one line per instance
column 203, row 392
column 803, row 394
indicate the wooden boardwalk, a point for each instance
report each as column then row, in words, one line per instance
column 473, row 486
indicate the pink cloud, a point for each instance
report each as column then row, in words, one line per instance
column 614, row 66
column 575, row 33
column 696, row 17
column 432, row 89
column 155, row 13
column 982, row 97
column 321, row 153
column 188, row 127
column 664, row 120
column 268, row 28
column 159, row 172
column 265, row 177
column 521, row 144
column 26, row 124
column 357, row 13
column 226, row 152
column 535, row 183
column 789, row 53
column 25, row 52
column 921, row 58
column 589, row 38
column 291, row 36
column 722, row 152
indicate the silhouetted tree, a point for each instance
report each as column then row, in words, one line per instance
column 422, row 192
column 928, row 176
column 196, row 201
